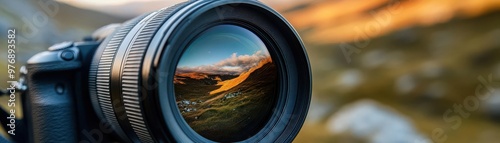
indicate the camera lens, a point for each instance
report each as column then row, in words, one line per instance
column 225, row 83
column 203, row 71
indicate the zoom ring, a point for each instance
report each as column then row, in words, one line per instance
column 100, row 77
column 131, row 73
column 118, row 66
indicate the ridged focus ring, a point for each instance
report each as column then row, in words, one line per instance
column 99, row 75
column 114, row 77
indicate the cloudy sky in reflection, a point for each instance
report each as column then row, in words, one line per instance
column 224, row 49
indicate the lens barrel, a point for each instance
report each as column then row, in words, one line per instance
column 135, row 76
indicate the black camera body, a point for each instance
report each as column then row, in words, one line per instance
column 199, row 71
column 58, row 106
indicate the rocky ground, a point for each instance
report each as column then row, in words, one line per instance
column 399, row 87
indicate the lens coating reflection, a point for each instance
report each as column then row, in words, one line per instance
column 225, row 84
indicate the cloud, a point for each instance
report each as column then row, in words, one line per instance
column 234, row 65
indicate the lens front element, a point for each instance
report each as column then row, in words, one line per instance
column 226, row 83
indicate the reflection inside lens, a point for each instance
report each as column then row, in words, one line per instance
column 225, row 84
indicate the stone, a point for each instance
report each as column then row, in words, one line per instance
column 369, row 120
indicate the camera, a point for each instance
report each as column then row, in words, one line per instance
column 199, row 71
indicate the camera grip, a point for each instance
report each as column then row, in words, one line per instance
column 51, row 110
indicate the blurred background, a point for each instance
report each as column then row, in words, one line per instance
column 384, row 71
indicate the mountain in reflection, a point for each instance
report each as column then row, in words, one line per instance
column 214, row 105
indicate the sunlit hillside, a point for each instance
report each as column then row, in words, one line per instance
column 214, row 108
column 229, row 84
column 334, row 21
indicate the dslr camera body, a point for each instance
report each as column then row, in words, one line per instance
column 58, row 107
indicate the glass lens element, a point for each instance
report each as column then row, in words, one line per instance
column 225, row 84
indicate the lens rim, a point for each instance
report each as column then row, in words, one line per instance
column 292, row 62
